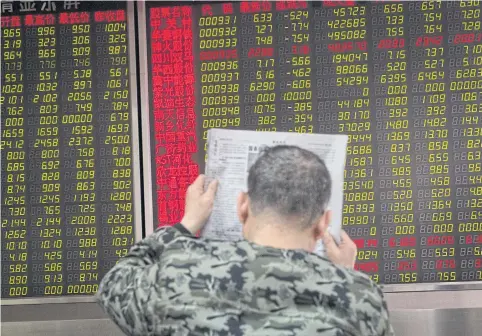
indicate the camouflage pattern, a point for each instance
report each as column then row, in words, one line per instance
column 172, row 283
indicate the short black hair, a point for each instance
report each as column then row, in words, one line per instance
column 291, row 181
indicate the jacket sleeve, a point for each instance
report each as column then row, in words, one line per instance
column 125, row 290
column 384, row 327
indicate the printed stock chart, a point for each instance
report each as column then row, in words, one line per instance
column 67, row 211
column 402, row 79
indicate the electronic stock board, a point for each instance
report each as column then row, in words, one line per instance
column 70, row 167
column 402, row 78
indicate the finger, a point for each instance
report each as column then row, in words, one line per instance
column 198, row 184
column 212, row 188
column 328, row 241
column 346, row 240
column 331, row 249
column 344, row 236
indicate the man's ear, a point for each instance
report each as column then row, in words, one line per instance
column 323, row 224
column 243, row 207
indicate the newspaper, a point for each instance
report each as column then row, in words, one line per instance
column 230, row 155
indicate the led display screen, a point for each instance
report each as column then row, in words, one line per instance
column 66, row 145
column 402, row 78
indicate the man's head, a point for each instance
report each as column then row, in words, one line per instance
column 288, row 192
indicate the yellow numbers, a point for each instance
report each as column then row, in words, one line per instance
column 262, row 17
column 82, row 289
column 264, row 40
column 265, row 97
column 264, row 108
column 347, row 35
column 351, row 69
column 115, row 27
column 47, row 42
column 119, row 219
column 121, row 173
column 45, row 31
column 432, row 28
column 360, row 220
column 445, row 252
column 220, row 111
column 117, row 139
column 231, row 42
column 406, row 254
column 80, row 39
column 347, row 23
column 215, row 20
column 220, row 88
column 217, row 32
column 80, row 28
column 18, row 291
column 367, row 255
column 353, row 80
column 115, row 50
column 11, row 32
column 471, row 13
column 81, row 51
column 404, row 229
column 302, row 107
column 469, row 3
column 119, row 106
column 302, row 72
column 298, row 15
column 219, row 76
column 359, row 149
column 118, row 60
column 395, row 19
column 217, row 123
column 265, row 28
column 266, row 120
column 301, row 60
column 407, row 277
column 117, row 38
column 446, row 276
column 264, row 75
column 350, row 11
column 262, row 86
column 219, row 66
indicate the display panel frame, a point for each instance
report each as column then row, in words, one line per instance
column 149, row 204
column 432, row 287
column 133, row 90
column 145, row 118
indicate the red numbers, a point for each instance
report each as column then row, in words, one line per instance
column 368, row 267
column 445, row 263
column 260, row 52
column 428, row 41
column 402, row 242
column 393, row 43
column 300, row 50
column 407, row 265
column 440, row 240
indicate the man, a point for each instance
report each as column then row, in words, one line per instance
column 172, row 283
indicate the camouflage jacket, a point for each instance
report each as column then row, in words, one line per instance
column 172, row 283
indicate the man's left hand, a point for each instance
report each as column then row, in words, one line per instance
column 199, row 204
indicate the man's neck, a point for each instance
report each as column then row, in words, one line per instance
column 276, row 235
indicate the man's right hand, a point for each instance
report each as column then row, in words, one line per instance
column 343, row 254
column 199, row 204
